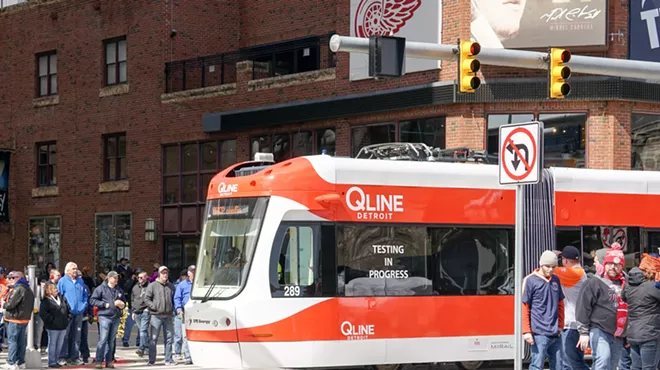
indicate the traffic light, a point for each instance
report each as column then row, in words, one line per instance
column 468, row 66
column 558, row 73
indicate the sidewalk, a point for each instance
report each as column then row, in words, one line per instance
column 126, row 357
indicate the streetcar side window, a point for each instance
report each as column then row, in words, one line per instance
column 294, row 261
column 602, row 236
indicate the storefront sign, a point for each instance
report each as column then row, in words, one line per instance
column 644, row 41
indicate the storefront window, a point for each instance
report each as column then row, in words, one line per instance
column 44, row 243
column 113, row 240
column 645, row 142
column 497, row 120
column 564, row 139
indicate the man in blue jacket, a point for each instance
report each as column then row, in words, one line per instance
column 110, row 300
column 73, row 289
column 181, row 297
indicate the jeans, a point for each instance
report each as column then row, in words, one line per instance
column 107, row 339
column 625, row 363
column 84, row 339
column 184, row 336
column 573, row 357
column 142, row 322
column 178, row 341
column 17, row 340
column 546, row 346
column 156, row 322
column 55, row 342
column 71, row 348
column 37, row 329
column 645, row 355
column 606, row 349
column 128, row 327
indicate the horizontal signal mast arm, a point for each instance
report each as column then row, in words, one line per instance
column 511, row 58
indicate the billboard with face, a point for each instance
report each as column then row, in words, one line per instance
column 532, row 24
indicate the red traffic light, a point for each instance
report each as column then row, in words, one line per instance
column 475, row 49
column 565, row 56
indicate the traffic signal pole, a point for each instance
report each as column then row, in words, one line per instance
column 511, row 58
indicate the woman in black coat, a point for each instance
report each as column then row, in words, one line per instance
column 54, row 312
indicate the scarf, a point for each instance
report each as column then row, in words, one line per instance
column 622, row 307
column 56, row 300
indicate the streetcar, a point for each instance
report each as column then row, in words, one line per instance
column 328, row 262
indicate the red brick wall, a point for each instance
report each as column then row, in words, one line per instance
column 203, row 27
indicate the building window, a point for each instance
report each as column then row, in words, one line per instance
column 113, row 240
column 286, row 145
column 430, row 131
column 286, row 58
column 179, row 254
column 187, row 171
column 115, row 61
column 645, row 142
column 564, row 136
column 47, row 73
column 44, row 244
column 115, row 157
column 46, row 164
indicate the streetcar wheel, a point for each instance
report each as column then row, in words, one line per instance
column 388, row 367
column 470, row 365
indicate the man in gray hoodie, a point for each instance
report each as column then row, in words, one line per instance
column 159, row 299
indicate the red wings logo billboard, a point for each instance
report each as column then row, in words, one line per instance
column 416, row 20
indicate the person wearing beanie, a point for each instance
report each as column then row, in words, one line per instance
column 602, row 315
column 543, row 313
column 572, row 278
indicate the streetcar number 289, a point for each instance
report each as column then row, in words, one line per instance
column 291, row 291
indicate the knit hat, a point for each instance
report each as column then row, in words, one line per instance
column 548, row 258
column 614, row 256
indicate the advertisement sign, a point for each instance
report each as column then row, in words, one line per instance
column 416, row 20
column 4, row 186
column 644, row 22
column 521, row 24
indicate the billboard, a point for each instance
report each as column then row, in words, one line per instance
column 644, row 22
column 416, row 20
column 4, row 186
column 523, row 24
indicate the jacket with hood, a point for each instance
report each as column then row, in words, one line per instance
column 137, row 297
column 55, row 316
column 104, row 294
column 597, row 305
column 643, row 300
column 20, row 304
column 159, row 298
column 75, row 293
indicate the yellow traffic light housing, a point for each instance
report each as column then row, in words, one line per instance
column 558, row 73
column 468, row 66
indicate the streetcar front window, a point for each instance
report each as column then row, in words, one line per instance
column 229, row 237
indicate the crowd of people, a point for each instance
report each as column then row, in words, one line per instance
column 612, row 312
column 63, row 307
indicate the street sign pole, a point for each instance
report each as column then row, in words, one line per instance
column 521, row 161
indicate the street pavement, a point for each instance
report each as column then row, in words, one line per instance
column 126, row 357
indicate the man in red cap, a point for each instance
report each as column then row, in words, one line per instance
column 602, row 314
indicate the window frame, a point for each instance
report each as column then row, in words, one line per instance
column 116, row 156
column 291, row 133
column 199, row 202
column 48, row 166
column 397, row 130
column 536, row 113
column 280, row 291
column 47, row 54
column 116, row 63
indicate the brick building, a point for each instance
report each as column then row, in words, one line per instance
column 117, row 113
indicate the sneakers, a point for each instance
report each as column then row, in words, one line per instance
column 21, row 366
column 151, row 363
column 110, row 365
column 140, row 353
column 10, row 367
column 98, row 365
column 170, row 363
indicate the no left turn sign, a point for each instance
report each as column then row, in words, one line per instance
column 521, row 150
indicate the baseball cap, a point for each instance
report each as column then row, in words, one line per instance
column 570, row 253
column 112, row 274
column 191, row 268
column 163, row 268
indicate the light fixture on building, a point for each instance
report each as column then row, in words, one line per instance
column 150, row 230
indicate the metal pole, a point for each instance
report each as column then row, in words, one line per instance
column 511, row 58
column 32, row 356
column 518, row 277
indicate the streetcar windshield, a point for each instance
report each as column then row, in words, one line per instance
column 229, row 238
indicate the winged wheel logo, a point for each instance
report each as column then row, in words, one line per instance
column 383, row 17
